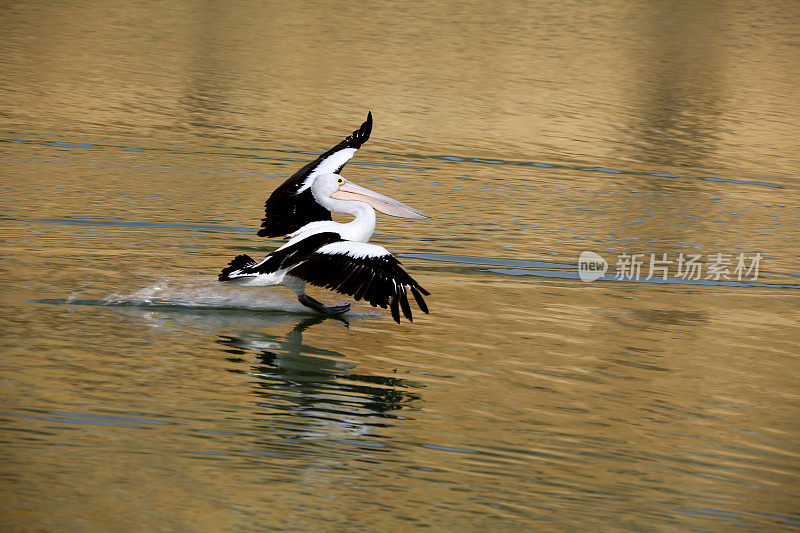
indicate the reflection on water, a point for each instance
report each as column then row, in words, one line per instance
column 139, row 140
column 679, row 118
column 316, row 385
column 302, row 391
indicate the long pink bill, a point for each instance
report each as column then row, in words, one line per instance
column 384, row 204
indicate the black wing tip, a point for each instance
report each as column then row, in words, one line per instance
column 415, row 291
column 404, row 305
column 394, row 308
column 237, row 263
column 361, row 135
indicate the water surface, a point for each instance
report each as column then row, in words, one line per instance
column 139, row 141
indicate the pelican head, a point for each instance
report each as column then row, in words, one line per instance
column 334, row 186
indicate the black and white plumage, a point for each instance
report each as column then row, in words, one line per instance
column 361, row 270
column 292, row 206
column 330, row 254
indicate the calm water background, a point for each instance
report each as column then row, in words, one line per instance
column 139, row 141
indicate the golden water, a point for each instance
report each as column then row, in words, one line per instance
column 141, row 139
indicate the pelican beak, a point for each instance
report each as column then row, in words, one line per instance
column 384, row 204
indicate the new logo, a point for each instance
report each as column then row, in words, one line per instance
column 591, row 266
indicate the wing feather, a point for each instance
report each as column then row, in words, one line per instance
column 291, row 206
column 395, row 311
column 404, row 304
column 418, row 298
column 363, row 271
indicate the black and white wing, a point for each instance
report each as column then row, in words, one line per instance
column 365, row 271
column 284, row 258
column 291, row 206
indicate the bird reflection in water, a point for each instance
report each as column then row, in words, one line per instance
column 298, row 380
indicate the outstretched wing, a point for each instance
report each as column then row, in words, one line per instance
column 291, row 206
column 363, row 271
column 284, row 258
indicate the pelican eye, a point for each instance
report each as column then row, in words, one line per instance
column 340, row 181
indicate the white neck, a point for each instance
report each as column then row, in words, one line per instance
column 359, row 229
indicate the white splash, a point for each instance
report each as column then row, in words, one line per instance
column 207, row 295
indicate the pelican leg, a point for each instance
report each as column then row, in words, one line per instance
column 308, row 301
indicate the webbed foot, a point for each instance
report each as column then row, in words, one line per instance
column 308, row 301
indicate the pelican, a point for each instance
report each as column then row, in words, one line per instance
column 330, row 254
